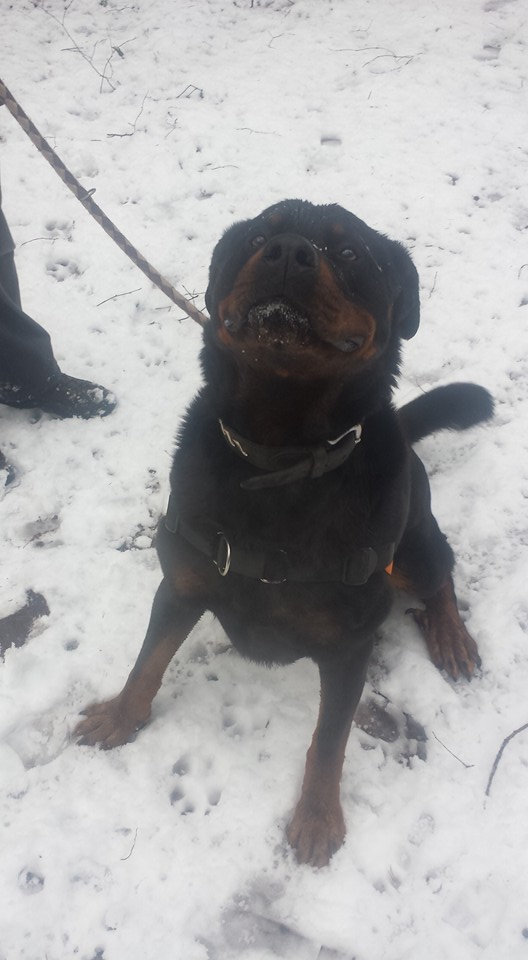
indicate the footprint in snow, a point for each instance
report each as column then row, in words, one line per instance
column 194, row 792
column 400, row 734
column 62, row 269
column 40, row 531
column 16, row 628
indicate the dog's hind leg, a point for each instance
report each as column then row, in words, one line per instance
column 116, row 721
column 423, row 566
column 317, row 829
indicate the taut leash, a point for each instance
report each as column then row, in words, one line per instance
column 85, row 197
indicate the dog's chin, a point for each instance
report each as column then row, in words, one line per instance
column 279, row 324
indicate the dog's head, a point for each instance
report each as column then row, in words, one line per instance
column 305, row 290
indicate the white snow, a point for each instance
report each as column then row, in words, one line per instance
column 186, row 115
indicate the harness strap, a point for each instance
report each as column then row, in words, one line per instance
column 275, row 565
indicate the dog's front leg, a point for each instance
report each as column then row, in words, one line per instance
column 116, row 721
column 317, row 829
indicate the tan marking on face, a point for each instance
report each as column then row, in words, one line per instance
column 341, row 318
column 333, row 317
column 240, row 295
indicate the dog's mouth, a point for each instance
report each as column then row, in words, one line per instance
column 278, row 323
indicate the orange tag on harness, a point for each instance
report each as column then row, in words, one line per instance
column 388, row 568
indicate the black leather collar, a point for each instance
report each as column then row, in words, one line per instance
column 287, row 464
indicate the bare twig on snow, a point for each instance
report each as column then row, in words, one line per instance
column 498, row 758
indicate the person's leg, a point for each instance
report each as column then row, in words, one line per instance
column 27, row 364
column 29, row 373
column 8, row 274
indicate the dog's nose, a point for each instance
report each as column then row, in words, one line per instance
column 289, row 255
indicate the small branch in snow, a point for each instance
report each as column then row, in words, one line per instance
column 88, row 57
column 116, row 295
column 190, row 296
column 267, row 133
column 521, row 268
column 189, row 90
column 133, row 125
column 468, row 766
column 359, row 50
column 120, row 53
column 77, row 49
column 277, row 37
column 33, row 239
column 432, row 290
column 132, row 848
column 498, row 758
column 384, row 56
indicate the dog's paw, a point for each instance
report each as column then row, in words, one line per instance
column 315, row 836
column 450, row 646
column 110, row 724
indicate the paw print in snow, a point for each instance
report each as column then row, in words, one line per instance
column 194, row 792
column 59, row 228
column 63, row 269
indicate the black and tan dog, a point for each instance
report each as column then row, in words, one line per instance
column 297, row 504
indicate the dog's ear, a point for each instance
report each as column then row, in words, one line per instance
column 406, row 305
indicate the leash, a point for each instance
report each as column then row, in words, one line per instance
column 85, row 197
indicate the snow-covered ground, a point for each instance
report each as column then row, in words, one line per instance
column 186, row 115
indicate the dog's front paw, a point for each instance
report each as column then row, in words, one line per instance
column 316, row 835
column 110, row 724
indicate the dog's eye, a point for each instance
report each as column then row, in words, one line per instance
column 348, row 254
column 258, row 241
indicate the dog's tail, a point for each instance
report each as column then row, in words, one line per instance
column 456, row 406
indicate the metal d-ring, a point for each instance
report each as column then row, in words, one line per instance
column 223, row 566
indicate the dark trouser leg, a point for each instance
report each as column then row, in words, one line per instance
column 9, row 277
column 27, row 364
column 317, row 829
column 29, row 374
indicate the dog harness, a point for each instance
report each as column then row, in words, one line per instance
column 260, row 561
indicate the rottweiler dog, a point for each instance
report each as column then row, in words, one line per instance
column 297, row 504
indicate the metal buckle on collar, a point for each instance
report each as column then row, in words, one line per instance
column 231, row 440
column 223, row 554
column 356, row 429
